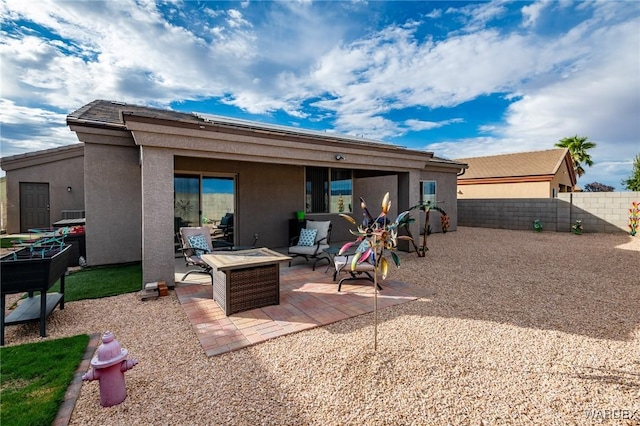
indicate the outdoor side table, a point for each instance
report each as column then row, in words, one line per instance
column 331, row 252
column 245, row 279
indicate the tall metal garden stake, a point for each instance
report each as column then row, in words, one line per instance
column 375, row 310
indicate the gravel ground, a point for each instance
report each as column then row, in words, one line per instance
column 523, row 328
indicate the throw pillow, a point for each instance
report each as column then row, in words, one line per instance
column 307, row 237
column 199, row 243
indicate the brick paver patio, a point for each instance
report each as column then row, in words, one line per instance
column 308, row 299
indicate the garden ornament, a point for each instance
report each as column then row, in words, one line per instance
column 373, row 237
column 109, row 366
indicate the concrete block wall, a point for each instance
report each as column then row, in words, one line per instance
column 599, row 212
column 508, row 213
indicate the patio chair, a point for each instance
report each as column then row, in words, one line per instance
column 196, row 241
column 314, row 238
column 224, row 230
column 363, row 270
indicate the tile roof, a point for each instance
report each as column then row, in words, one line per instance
column 64, row 149
column 104, row 113
column 110, row 114
column 534, row 163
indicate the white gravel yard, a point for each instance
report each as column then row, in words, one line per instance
column 522, row 328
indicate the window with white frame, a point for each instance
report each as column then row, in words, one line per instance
column 428, row 192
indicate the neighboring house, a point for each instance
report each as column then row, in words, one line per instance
column 43, row 187
column 536, row 174
column 148, row 171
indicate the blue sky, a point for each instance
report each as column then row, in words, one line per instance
column 461, row 79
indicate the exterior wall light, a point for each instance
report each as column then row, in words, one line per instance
column 339, row 157
column 68, row 189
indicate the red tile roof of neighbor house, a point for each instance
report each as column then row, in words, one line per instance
column 523, row 164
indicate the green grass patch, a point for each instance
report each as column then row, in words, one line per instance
column 6, row 242
column 35, row 377
column 98, row 282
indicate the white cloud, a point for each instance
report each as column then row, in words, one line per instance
column 597, row 96
column 532, row 12
column 477, row 16
column 436, row 13
column 585, row 81
column 31, row 129
column 419, row 125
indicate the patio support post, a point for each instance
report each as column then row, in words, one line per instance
column 158, row 263
column 408, row 196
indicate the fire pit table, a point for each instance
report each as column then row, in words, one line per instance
column 30, row 271
column 245, row 279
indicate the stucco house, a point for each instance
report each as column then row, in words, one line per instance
column 43, row 187
column 535, row 174
column 142, row 172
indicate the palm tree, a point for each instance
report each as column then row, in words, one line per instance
column 578, row 146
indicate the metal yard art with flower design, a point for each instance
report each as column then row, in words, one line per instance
column 634, row 218
column 426, row 207
column 577, row 228
column 373, row 237
column 537, row 225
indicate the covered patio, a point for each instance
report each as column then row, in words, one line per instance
column 308, row 299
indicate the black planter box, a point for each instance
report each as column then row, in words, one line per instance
column 78, row 248
column 27, row 271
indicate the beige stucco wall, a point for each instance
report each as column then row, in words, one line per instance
column 113, row 204
column 562, row 177
column 560, row 182
column 157, row 215
column 505, row 190
column 59, row 174
column 446, row 199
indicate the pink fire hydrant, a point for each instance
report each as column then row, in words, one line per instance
column 109, row 366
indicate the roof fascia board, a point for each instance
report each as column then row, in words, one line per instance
column 21, row 161
column 434, row 165
column 72, row 120
column 308, row 155
column 102, row 135
column 256, row 148
column 177, row 127
column 570, row 166
column 294, row 160
column 521, row 179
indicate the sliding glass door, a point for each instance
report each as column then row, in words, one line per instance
column 205, row 201
column 186, row 201
column 217, row 199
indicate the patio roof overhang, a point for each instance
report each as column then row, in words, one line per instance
column 209, row 136
column 270, row 146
